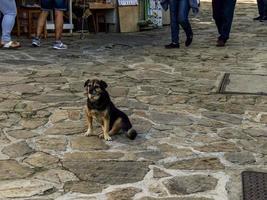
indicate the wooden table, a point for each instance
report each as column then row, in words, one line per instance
column 99, row 11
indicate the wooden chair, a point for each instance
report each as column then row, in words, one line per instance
column 27, row 18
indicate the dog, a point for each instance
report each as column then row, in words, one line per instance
column 100, row 107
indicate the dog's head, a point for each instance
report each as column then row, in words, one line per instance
column 94, row 89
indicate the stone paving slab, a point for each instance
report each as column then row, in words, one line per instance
column 193, row 142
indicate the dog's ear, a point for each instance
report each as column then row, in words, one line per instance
column 103, row 84
column 86, row 83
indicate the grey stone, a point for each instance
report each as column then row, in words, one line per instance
column 256, row 132
column 123, row 193
column 22, row 134
column 53, row 143
column 66, row 128
column 118, row 91
column 252, row 83
column 190, row 184
column 232, row 133
column 56, row 97
column 170, row 118
column 218, row 147
column 171, row 150
column 150, row 155
column 240, row 158
column 23, row 188
column 175, row 198
column 33, row 123
column 55, row 176
column 11, row 169
column 83, row 143
column 196, row 164
column 91, row 156
column 109, row 172
column 232, row 119
column 24, row 89
column 158, row 173
column 141, row 125
column 41, row 159
column 17, row 149
column 84, row 187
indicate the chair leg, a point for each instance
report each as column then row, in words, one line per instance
column 18, row 26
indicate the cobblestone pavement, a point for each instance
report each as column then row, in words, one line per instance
column 193, row 142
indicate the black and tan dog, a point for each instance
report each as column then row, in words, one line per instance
column 100, row 107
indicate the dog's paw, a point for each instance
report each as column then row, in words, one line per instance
column 88, row 132
column 107, row 138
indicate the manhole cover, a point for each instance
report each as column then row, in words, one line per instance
column 254, row 185
column 243, row 84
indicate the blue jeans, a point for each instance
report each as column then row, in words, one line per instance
column 9, row 10
column 223, row 14
column 179, row 10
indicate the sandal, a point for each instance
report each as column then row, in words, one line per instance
column 11, row 45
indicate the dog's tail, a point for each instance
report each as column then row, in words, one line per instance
column 131, row 134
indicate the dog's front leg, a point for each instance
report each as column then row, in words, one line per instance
column 89, row 120
column 106, row 129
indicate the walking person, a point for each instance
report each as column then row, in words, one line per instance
column 47, row 5
column 262, row 9
column 9, row 11
column 223, row 14
column 179, row 10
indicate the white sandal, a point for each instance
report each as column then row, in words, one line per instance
column 11, row 45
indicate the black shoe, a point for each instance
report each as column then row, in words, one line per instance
column 263, row 19
column 258, row 18
column 189, row 40
column 220, row 43
column 172, row 46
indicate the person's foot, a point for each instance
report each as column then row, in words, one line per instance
column 189, row 40
column 10, row 45
column 220, row 43
column 59, row 45
column 257, row 18
column 263, row 19
column 172, row 45
column 36, row 42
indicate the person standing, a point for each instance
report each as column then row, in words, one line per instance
column 223, row 14
column 179, row 10
column 9, row 10
column 47, row 5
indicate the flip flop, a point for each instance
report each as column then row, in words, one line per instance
column 11, row 45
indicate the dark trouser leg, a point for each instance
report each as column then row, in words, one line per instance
column 217, row 11
column 174, row 21
column 228, row 13
column 183, row 11
column 261, row 7
column 265, row 8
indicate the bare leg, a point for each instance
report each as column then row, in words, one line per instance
column 59, row 24
column 41, row 23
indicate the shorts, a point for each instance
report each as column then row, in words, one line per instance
column 54, row 4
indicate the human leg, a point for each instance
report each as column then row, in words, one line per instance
column 183, row 12
column 174, row 21
column 228, row 13
column 217, row 13
column 60, row 6
column 9, row 10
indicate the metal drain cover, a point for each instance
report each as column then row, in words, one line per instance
column 244, row 84
column 254, row 185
